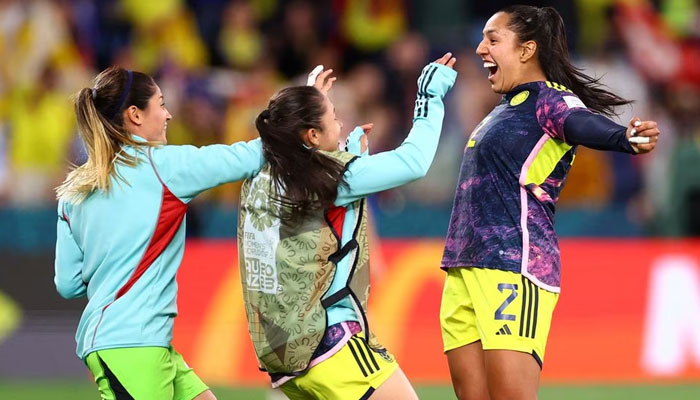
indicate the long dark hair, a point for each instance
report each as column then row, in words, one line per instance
column 546, row 27
column 100, row 114
column 308, row 178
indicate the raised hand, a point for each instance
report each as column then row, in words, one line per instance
column 642, row 135
column 321, row 79
column 447, row 59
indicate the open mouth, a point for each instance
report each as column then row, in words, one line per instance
column 492, row 67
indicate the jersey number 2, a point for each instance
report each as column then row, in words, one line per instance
column 513, row 294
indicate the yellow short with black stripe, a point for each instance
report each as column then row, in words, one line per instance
column 353, row 373
column 503, row 309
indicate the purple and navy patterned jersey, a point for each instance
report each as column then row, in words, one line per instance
column 514, row 167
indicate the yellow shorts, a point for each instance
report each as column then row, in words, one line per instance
column 503, row 309
column 353, row 373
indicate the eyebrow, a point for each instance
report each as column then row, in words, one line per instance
column 492, row 30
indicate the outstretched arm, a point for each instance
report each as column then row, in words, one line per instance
column 411, row 160
column 189, row 170
column 598, row 132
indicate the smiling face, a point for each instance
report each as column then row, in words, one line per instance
column 155, row 119
column 507, row 60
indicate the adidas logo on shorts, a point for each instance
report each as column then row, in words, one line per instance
column 504, row 330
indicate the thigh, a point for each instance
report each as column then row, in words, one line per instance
column 457, row 317
column 513, row 319
column 133, row 373
column 356, row 371
column 187, row 384
column 468, row 372
column 396, row 387
column 512, row 375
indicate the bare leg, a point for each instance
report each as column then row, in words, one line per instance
column 205, row 395
column 468, row 372
column 512, row 375
column 397, row 387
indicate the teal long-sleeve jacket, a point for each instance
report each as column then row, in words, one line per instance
column 122, row 249
column 410, row 161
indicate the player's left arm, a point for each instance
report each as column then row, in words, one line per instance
column 600, row 133
column 69, row 261
column 563, row 116
column 411, row 160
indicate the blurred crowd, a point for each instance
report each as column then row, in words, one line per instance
column 219, row 61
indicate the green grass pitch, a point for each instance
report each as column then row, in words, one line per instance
column 74, row 390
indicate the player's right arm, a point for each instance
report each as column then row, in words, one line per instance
column 189, row 170
column 69, row 260
column 411, row 160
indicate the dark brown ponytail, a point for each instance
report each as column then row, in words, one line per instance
column 308, row 179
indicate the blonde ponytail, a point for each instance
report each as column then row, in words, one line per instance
column 103, row 139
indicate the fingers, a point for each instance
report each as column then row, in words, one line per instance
column 644, row 148
column 323, row 82
column 323, row 75
column 447, row 60
column 364, row 142
column 647, row 128
column 643, row 135
column 634, row 122
column 366, row 128
column 444, row 59
column 311, row 80
column 328, row 85
column 452, row 62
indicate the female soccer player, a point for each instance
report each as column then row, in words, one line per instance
column 501, row 252
column 121, row 234
column 303, row 243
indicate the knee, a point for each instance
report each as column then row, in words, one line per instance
column 206, row 395
column 471, row 392
column 507, row 392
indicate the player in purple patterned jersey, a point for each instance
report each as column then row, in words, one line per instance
column 501, row 251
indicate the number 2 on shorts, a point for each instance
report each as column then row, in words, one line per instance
column 499, row 315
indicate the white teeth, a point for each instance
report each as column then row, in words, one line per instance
column 489, row 64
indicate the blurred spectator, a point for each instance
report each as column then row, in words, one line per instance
column 241, row 42
column 370, row 26
column 165, row 31
column 297, row 38
column 683, row 200
column 41, row 126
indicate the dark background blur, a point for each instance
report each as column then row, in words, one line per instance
column 218, row 62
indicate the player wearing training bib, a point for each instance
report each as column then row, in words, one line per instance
column 501, row 252
column 121, row 235
column 303, row 246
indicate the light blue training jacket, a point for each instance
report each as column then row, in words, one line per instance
column 122, row 249
column 370, row 174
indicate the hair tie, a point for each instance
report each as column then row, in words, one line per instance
column 125, row 92
column 93, row 93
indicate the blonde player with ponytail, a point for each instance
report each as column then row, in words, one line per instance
column 121, row 234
